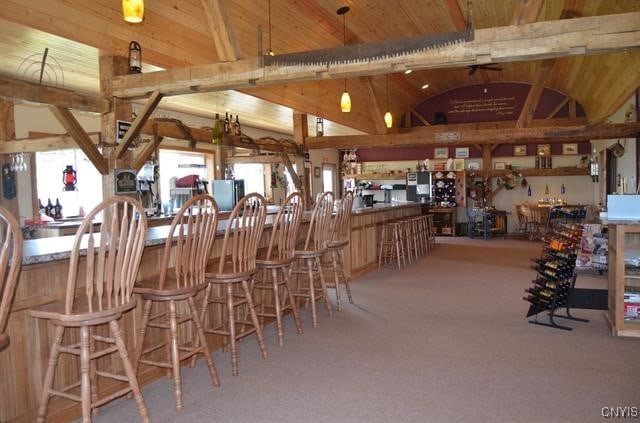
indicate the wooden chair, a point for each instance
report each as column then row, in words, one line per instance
column 99, row 291
column 10, row 263
column 539, row 222
column 339, row 240
column 308, row 254
column 237, row 267
column 277, row 257
column 181, row 278
column 524, row 215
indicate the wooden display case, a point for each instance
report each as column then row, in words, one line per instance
column 444, row 220
column 624, row 279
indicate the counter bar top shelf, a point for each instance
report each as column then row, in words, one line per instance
column 623, row 315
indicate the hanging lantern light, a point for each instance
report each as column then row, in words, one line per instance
column 133, row 10
column 69, row 178
column 388, row 119
column 345, row 100
column 135, row 57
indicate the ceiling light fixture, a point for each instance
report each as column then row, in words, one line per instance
column 425, row 86
column 270, row 51
column 133, row 10
column 388, row 119
column 345, row 100
column 408, row 71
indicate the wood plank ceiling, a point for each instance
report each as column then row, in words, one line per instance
column 176, row 33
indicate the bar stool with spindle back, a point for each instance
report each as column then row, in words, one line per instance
column 236, row 267
column 309, row 252
column 277, row 257
column 339, row 240
column 181, row 278
column 391, row 244
column 99, row 291
column 10, row 263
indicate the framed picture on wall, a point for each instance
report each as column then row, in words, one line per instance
column 462, row 152
column 500, row 166
column 569, row 148
column 441, row 153
column 544, row 149
column 316, row 171
column 458, row 165
column 474, row 165
column 519, row 150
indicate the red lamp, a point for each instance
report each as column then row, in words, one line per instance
column 69, row 178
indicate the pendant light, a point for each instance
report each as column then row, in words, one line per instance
column 388, row 119
column 133, row 10
column 270, row 51
column 345, row 100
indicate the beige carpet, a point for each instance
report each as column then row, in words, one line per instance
column 445, row 340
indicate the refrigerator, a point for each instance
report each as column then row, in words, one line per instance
column 419, row 186
column 227, row 192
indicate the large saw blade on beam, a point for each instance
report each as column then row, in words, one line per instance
column 364, row 52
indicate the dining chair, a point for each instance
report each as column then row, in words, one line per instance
column 102, row 270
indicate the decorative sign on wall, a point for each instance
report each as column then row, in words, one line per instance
column 122, row 127
column 125, row 182
column 448, row 136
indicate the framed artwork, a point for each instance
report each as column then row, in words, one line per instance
column 474, row 165
column 519, row 150
column 569, row 148
column 458, row 165
column 441, row 153
column 316, row 171
column 500, row 166
column 462, row 152
column 544, row 149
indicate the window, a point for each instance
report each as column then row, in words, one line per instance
column 253, row 175
column 179, row 164
column 49, row 167
column 328, row 177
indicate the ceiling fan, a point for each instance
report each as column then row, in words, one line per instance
column 474, row 68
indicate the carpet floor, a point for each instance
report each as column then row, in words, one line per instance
column 443, row 340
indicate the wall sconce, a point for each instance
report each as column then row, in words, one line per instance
column 135, row 57
column 319, row 127
column 133, row 10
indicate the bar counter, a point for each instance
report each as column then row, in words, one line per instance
column 44, row 279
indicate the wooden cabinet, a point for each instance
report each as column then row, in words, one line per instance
column 444, row 220
column 624, row 279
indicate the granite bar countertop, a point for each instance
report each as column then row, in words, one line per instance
column 380, row 207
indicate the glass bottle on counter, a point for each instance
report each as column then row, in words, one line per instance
column 236, row 127
column 48, row 210
column 57, row 210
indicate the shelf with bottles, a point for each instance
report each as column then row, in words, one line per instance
column 444, row 220
column 556, row 276
column 624, row 279
column 527, row 172
column 399, row 175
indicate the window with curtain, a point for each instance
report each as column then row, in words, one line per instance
column 49, row 167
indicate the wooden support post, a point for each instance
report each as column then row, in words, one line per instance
column 7, row 134
column 300, row 133
column 146, row 152
column 294, row 176
column 136, row 126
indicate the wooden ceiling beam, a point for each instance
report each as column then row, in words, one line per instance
column 421, row 118
column 426, row 136
column 54, row 142
column 535, row 93
column 146, row 152
column 292, row 172
column 138, row 123
column 73, row 127
column 25, row 90
column 376, row 112
column 222, row 32
column 581, row 36
column 558, row 108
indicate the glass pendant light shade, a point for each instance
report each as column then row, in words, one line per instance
column 388, row 119
column 133, row 10
column 345, row 102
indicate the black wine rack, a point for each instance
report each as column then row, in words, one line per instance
column 555, row 276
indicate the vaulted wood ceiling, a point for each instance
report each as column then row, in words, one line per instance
column 176, row 33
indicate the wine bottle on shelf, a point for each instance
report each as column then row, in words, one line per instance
column 48, row 210
column 57, row 210
column 236, row 129
column 227, row 128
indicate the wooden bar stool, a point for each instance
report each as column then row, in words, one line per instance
column 408, row 238
column 339, row 240
column 391, row 245
column 275, row 260
column 181, row 278
column 10, row 263
column 236, row 267
column 431, row 235
column 99, row 291
column 308, row 254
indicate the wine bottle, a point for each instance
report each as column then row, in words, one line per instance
column 40, row 206
column 227, row 128
column 236, row 128
column 48, row 210
column 57, row 210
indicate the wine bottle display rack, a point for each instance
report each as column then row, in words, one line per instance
column 556, row 277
